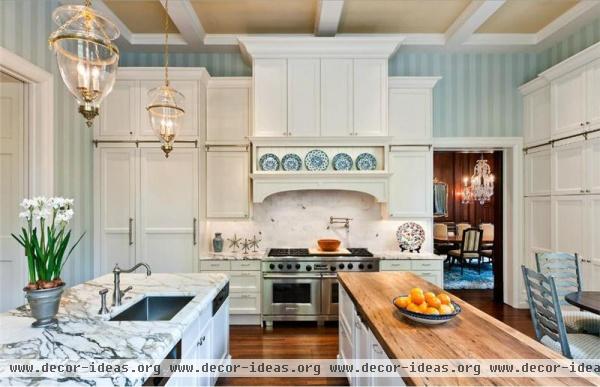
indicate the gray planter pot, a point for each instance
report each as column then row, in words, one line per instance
column 44, row 305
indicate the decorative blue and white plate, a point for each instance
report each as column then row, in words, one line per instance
column 366, row 162
column 269, row 162
column 342, row 162
column 291, row 162
column 316, row 160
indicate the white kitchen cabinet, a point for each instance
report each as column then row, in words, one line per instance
column 227, row 183
column 337, row 97
column 592, row 95
column 116, row 176
column 592, row 164
column 569, row 168
column 270, row 97
column 538, row 227
column 361, row 348
column 568, row 103
column 410, row 188
column 569, row 223
column 118, row 112
column 220, row 333
column 590, row 257
column 537, row 172
column 303, row 97
column 168, row 221
column 228, row 110
column 536, row 112
column 370, row 97
column 429, row 270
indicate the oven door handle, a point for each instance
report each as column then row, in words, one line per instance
column 293, row 276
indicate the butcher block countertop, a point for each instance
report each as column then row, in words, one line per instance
column 473, row 334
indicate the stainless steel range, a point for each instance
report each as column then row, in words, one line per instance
column 300, row 286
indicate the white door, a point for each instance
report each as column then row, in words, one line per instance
column 568, row 103
column 120, row 112
column 537, row 117
column 115, row 220
column 592, row 252
column 569, row 168
column 304, row 97
column 337, row 97
column 370, row 97
column 592, row 95
column 410, row 113
column 190, row 124
column 569, row 214
column 537, row 173
column 593, row 166
column 538, row 227
column 227, row 113
column 227, row 184
column 168, row 218
column 411, row 187
column 13, row 263
column 270, row 97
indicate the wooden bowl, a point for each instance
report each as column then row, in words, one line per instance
column 329, row 244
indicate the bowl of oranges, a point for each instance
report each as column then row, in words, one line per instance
column 426, row 307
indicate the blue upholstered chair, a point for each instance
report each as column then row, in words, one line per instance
column 548, row 321
column 564, row 268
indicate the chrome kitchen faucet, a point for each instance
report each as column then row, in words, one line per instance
column 117, row 293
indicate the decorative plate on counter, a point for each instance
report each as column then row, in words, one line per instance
column 316, row 160
column 342, row 162
column 269, row 162
column 291, row 162
column 411, row 236
column 366, row 162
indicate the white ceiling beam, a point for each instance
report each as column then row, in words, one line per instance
column 101, row 7
column 476, row 13
column 572, row 14
column 157, row 39
column 187, row 22
column 504, row 39
column 329, row 13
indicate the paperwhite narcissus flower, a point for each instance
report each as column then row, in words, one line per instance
column 57, row 209
column 25, row 215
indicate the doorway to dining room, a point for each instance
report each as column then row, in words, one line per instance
column 468, row 218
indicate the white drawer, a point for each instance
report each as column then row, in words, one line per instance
column 214, row 266
column 248, row 303
column 435, row 277
column 244, row 281
column 394, row 265
column 427, row 265
column 245, row 265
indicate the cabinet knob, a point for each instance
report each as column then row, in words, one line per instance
column 588, row 191
column 581, row 191
column 587, row 122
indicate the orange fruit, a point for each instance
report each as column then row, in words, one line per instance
column 434, row 302
column 444, row 298
column 445, row 309
column 431, row 310
column 423, row 307
column 429, row 296
column 413, row 308
column 416, row 291
column 417, row 298
column 402, row 302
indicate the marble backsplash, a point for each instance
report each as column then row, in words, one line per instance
column 299, row 218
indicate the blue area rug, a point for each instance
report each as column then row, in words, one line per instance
column 471, row 279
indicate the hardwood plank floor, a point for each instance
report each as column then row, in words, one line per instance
column 306, row 340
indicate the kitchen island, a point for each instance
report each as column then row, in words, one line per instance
column 367, row 315
column 81, row 333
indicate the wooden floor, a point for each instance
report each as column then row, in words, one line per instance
column 306, row 340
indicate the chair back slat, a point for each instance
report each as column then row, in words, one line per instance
column 564, row 268
column 545, row 309
column 471, row 240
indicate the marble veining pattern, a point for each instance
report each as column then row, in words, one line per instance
column 83, row 334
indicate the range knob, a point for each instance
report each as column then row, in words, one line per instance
column 298, row 266
column 272, row 266
column 308, row 267
column 350, row 266
column 280, row 266
column 361, row 266
column 332, row 268
column 289, row 266
column 341, row 266
column 369, row 266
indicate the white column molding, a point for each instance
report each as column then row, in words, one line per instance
column 476, row 13
column 185, row 18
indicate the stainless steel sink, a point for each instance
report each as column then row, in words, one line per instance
column 153, row 308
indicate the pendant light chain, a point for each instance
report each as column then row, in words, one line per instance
column 167, row 42
column 88, row 3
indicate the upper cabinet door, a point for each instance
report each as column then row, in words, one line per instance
column 569, row 223
column 537, row 173
column 592, row 93
column 119, row 113
column 270, row 97
column 538, row 227
column 536, row 116
column 411, row 187
column 227, row 184
column 370, row 97
column 304, row 97
column 569, row 169
column 593, row 166
column 190, row 126
column 568, row 103
column 410, row 115
column 228, row 115
column 336, row 97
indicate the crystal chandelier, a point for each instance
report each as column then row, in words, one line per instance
column 165, row 109
column 87, row 59
column 481, row 188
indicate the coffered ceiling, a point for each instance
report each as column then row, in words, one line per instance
column 208, row 25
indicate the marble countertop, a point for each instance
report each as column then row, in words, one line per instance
column 385, row 254
column 81, row 333
column 229, row 256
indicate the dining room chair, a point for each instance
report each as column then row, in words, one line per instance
column 548, row 323
column 440, row 233
column 460, row 228
column 470, row 248
column 488, row 235
column 564, row 268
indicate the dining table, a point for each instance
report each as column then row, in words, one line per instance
column 455, row 239
column 589, row 301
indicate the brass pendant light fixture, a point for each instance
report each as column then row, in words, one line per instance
column 86, row 57
column 165, row 109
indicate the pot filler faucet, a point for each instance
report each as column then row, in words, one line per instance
column 117, row 292
column 344, row 221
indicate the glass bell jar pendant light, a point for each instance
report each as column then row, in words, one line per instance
column 87, row 59
column 165, row 109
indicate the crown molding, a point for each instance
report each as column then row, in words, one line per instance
column 533, row 85
column 413, row 82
